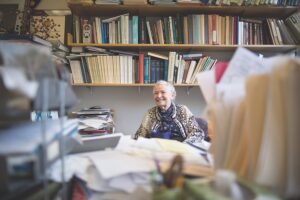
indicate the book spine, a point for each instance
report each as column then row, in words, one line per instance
column 85, row 70
column 165, row 66
column 146, row 69
column 141, row 68
column 166, row 30
column 153, row 74
column 185, row 30
column 190, row 29
column 135, row 31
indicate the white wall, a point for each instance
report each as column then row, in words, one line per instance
column 130, row 105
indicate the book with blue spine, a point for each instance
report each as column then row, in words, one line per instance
column 146, row 69
column 135, row 29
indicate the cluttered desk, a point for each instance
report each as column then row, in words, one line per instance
column 149, row 169
column 128, row 169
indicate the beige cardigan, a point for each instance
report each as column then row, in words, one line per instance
column 182, row 117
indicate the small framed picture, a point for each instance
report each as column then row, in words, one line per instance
column 48, row 27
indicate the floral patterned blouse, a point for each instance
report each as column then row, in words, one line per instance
column 176, row 123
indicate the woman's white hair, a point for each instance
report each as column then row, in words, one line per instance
column 169, row 87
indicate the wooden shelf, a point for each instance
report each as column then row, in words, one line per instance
column 183, row 9
column 126, row 85
column 185, row 47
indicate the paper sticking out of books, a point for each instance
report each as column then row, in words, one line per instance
column 95, row 121
column 255, row 113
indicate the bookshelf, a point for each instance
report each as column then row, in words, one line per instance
column 184, row 47
column 125, row 85
column 143, row 11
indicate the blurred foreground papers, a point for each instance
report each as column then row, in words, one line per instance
column 29, row 77
column 256, row 114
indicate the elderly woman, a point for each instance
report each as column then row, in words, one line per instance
column 169, row 120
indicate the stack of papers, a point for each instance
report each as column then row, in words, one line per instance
column 126, row 169
column 95, row 121
column 255, row 112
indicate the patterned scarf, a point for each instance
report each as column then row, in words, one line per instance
column 168, row 124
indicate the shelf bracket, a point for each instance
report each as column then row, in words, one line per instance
column 188, row 90
column 90, row 89
column 139, row 89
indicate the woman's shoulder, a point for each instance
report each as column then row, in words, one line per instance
column 181, row 107
column 152, row 111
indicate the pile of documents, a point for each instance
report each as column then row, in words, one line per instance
column 255, row 111
column 95, row 121
column 125, row 172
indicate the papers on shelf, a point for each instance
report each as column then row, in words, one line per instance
column 93, row 122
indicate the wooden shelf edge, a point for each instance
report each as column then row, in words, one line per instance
column 200, row 5
column 178, row 46
column 151, row 10
column 125, row 85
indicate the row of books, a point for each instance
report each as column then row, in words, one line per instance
column 189, row 29
column 222, row 30
column 238, row 2
column 118, row 29
column 205, row 2
column 143, row 68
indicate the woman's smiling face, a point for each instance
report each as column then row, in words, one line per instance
column 163, row 96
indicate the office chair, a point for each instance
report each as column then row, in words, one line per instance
column 204, row 125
